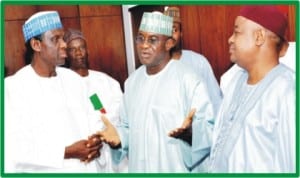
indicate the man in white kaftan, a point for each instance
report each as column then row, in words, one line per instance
column 157, row 97
column 266, row 140
column 154, row 105
column 42, row 117
column 255, row 128
column 46, row 111
column 201, row 66
column 107, row 89
column 197, row 62
column 289, row 59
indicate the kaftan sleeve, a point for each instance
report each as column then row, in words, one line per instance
column 213, row 87
column 196, row 96
column 286, row 132
column 123, row 130
column 202, row 125
column 116, row 99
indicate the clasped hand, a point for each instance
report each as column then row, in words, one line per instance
column 85, row 150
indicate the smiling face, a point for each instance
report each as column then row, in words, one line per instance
column 77, row 54
column 242, row 42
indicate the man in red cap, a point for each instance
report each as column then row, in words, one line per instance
column 255, row 128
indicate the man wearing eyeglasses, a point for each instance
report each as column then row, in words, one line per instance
column 158, row 96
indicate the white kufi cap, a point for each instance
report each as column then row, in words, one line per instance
column 156, row 22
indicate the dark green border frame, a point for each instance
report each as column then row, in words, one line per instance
column 144, row 2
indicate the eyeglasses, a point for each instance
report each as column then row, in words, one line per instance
column 152, row 40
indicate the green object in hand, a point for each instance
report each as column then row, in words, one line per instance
column 97, row 103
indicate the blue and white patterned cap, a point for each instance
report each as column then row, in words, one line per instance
column 156, row 22
column 40, row 23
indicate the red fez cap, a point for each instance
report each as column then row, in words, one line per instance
column 267, row 16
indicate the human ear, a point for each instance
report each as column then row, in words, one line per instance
column 260, row 36
column 170, row 43
column 35, row 44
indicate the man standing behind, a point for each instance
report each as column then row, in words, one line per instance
column 197, row 62
column 158, row 95
column 107, row 89
column 255, row 128
column 46, row 120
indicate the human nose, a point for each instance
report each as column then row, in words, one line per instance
column 63, row 44
column 78, row 51
column 230, row 39
column 142, row 41
column 145, row 44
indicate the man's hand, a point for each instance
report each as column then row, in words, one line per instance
column 185, row 131
column 109, row 135
column 93, row 142
column 84, row 150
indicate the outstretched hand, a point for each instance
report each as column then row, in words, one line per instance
column 184, row 132
column 109, row 135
